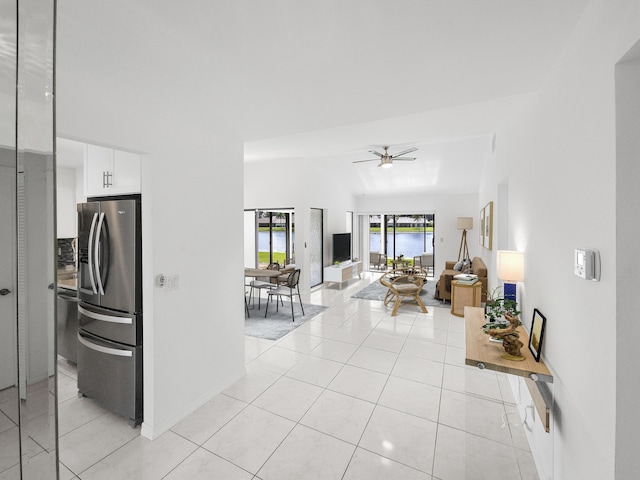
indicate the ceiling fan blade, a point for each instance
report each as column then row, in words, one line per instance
column 370, row 160
column 376, row 153
column 408, row 150
column 406, row 159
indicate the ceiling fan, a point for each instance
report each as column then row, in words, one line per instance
column 386, row 160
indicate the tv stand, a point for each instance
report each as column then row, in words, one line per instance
column 343, row 272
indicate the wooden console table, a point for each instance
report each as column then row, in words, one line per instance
column 483, row 353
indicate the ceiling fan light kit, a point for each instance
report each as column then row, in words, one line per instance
column 386, row 160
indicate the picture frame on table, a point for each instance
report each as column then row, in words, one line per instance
column 536, row 336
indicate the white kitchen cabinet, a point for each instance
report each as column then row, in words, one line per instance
column 110, row 172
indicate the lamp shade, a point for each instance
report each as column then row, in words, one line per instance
column 465, row 223
column 510, row 266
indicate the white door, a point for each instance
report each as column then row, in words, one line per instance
column 8, row 356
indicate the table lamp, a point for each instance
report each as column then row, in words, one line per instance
column 464, row 224
column 510, row 271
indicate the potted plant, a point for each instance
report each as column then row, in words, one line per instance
column 490, row 306
column 496, row 306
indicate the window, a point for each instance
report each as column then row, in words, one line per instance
column 402, row 234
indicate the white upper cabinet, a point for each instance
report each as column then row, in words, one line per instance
column 110, row 172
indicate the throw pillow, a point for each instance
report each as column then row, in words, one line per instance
column 466, row 266
column 458, row 267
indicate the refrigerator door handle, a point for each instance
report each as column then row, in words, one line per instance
column 97, row 253
column 91, row 259
column 105, row 318
column 101, row 349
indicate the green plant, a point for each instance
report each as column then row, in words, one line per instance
column 496, row 305
column 500, row 324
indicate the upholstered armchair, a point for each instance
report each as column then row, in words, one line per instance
column 424, row 261
column 377, row 260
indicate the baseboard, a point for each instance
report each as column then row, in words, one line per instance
column 154, row 431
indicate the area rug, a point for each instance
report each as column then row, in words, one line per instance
column 278, row 324
column 377, row 291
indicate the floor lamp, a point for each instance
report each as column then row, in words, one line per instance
column 464, row 224
column 510, row 270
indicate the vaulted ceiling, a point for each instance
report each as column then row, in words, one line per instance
column 328, row 80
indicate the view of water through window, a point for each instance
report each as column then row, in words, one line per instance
column 409, row 244
column 279, row 241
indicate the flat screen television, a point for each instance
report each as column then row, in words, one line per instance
column 341, row 247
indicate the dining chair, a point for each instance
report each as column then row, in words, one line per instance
column 290, row 289
column 424, row 261
column 265, row 284
column 378, row 260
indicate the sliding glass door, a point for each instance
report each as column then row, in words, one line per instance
column 409, row 235
column 275, row 236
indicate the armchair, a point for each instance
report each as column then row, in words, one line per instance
column 377, row 260
column 424, row 261
column 403, row 283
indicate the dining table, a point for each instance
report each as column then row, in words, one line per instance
column 263, row 272
column 267, row 274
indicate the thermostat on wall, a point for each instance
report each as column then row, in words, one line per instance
column 587, row 264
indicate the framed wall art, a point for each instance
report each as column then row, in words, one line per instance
column 537, row 333
column 487, row 231
column 482, row 227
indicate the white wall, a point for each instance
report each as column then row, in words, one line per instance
column 67, row 218
column 627, row 261
column 560, row 159
column 123, row 86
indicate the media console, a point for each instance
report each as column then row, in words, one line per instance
column 343, row 272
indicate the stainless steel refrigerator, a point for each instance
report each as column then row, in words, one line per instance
column 110, row 309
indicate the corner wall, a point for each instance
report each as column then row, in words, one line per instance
column 627, row 262
column 130, row 87
column 560, row 159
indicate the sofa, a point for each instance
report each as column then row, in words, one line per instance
column 443, row 287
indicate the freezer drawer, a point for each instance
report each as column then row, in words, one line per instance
column 115, row 326
column 111, row 374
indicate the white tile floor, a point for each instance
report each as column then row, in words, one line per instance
column 352, row 394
